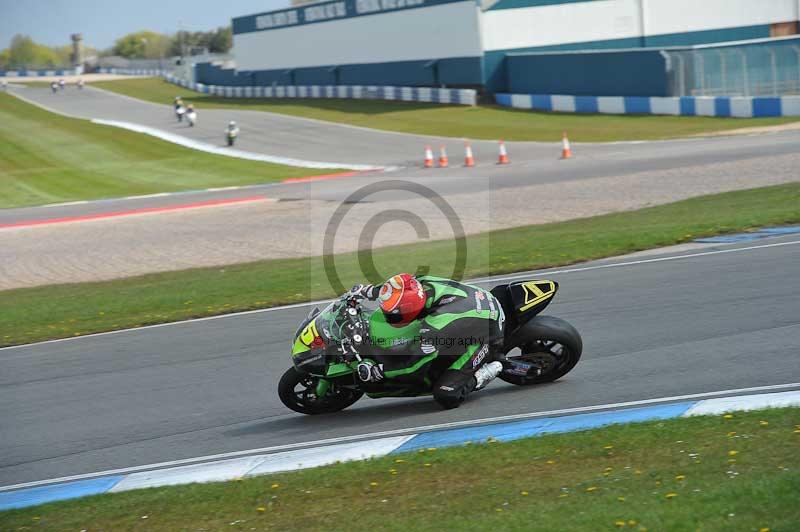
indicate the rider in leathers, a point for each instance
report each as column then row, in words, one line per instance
column 460, row 324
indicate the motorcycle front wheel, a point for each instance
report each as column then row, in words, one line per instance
column 298, row 391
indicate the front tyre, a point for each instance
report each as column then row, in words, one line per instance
column 298, row 391
column 549, row 346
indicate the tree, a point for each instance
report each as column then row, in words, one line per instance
column 221, row 40
column 142, row 45
column 25, row 53
column 217, row 41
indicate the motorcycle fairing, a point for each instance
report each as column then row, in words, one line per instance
column 531, row 297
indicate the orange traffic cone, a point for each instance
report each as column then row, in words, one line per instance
column 442, row 157
column 469, row 160
column 428, row 157
column 503, row 158
column 566, row 151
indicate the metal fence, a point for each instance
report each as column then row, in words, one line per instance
column 767, row 68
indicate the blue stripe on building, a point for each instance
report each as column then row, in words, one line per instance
column 516, row 4
column 325, row 12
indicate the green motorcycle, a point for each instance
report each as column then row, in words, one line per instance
column 330, row 343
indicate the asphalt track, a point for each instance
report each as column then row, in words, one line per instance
column 274, row 134
column 652, row 328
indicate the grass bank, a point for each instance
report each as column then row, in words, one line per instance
column 48, row 158
column 58, row 311
column 737, row 472
column 482, row 122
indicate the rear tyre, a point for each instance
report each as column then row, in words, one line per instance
column 298, row 391
column 552, row 347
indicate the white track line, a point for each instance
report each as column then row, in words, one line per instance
column 206, row 147
column 658, row 259
column 187, row 142
column 399, row 432
column 479, row 280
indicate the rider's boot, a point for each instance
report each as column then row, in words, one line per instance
column 370, row 371
column 487, row 373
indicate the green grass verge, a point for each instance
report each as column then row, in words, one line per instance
column 47, row 158
column 482, row 122
column 58, row 311
column 705, row 473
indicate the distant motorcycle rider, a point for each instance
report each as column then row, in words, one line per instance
column 232, row 132
column 180, row 110
column 459, row 325
column 191, row 115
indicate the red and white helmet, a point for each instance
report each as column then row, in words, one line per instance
column 402, row 296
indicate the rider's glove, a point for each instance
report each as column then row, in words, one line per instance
column 369, row 371
column 364, row 291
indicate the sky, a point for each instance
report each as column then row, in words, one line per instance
column 102, row 21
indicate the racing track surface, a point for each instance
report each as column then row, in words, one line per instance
column 532, row 163
column 651, row 329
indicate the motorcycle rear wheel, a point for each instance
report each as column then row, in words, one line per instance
column 551, row 344
column 297, row 391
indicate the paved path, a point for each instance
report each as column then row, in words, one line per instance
column 702, row 323
column 535, row 188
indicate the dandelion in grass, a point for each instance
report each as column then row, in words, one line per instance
column 671, row 495
column 523, row 493
column 591, row 489
column 399, row 461
column 261, row 509
column 763, row 423
column 621, row 499
column 275, row 486
column 373, row 484
column 550, row 462
column 732, row 453
column 680, row 478
column 427, row 464
column 728, row 416
column 619, row 524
